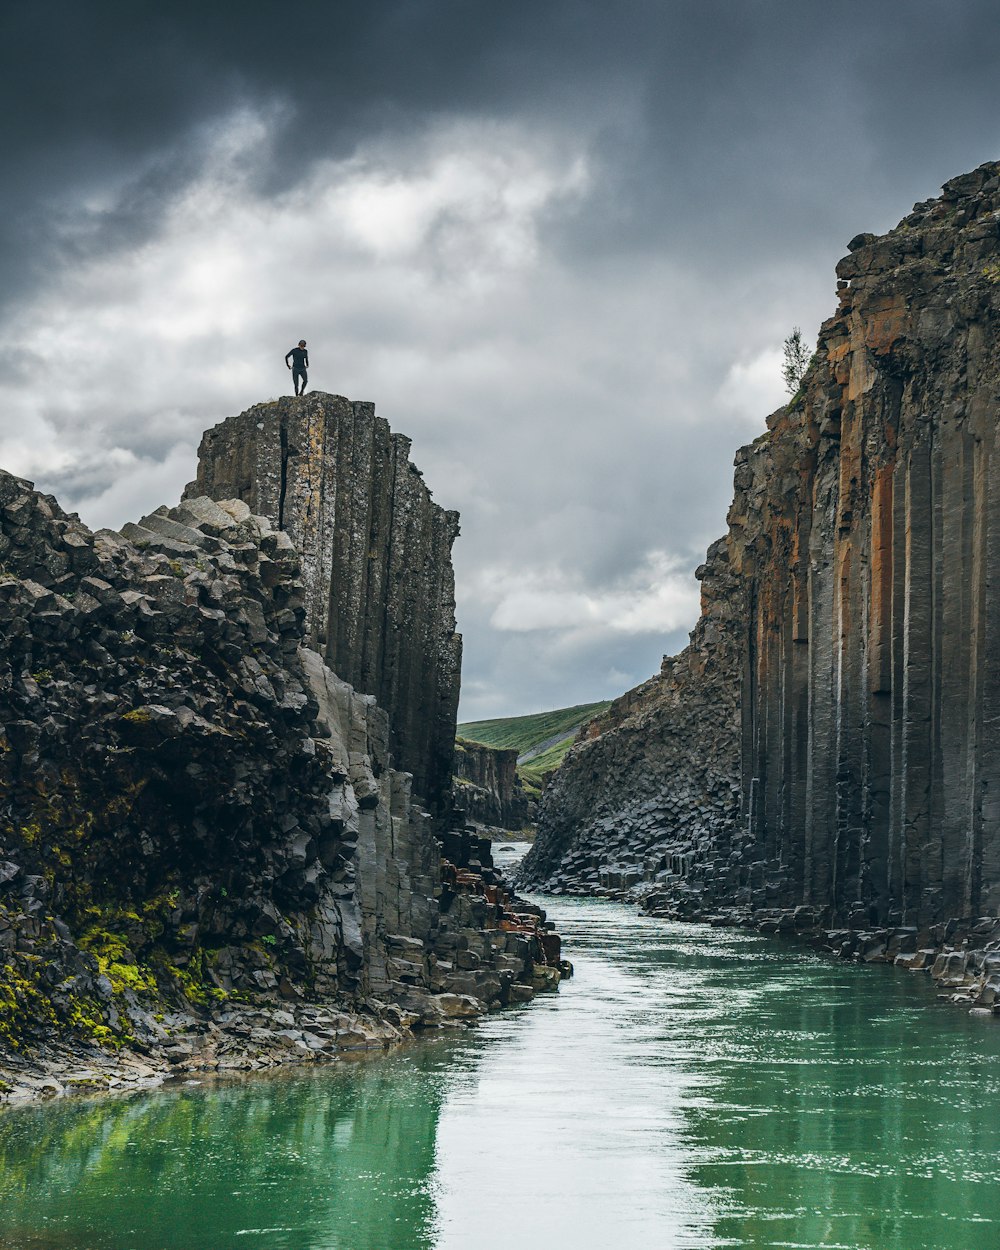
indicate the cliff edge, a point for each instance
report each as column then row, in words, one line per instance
column 376, row 559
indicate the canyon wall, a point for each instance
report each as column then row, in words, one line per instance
column 376, row 559
column 649, row 792
column 487, row 785
column 844, row 679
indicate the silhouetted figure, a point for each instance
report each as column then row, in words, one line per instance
column 299, row 365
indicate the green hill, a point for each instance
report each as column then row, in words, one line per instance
column 533, row 770
column 525, row 732
column 541, row 739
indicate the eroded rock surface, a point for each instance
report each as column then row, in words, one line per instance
column 650, row 787
column 488, row 786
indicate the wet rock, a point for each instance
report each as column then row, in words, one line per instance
column 459, row 1006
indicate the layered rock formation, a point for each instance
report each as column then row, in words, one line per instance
column 205, row 850
column 844, row 679
column 488, row 786
column 376, row 558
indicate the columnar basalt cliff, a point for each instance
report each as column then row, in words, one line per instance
column 854, row 685
column 376, row 558
column 206, row 854
column 488, row 787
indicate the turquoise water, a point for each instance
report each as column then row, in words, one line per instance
column 690, row 1088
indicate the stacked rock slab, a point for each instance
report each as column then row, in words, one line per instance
column 376, row 559
column 853, row 686
column 488, row 787
column 204, row 851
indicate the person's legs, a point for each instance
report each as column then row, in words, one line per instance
column 299, row 376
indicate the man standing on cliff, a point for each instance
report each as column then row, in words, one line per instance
column 299, row 366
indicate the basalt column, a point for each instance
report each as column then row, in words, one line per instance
column 376, row 553
column 886, row 460
column 852, row 619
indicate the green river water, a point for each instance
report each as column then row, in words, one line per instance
column 690, row 1087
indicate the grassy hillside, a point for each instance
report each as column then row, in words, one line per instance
column 533, row 770
column 525, row 732
column 542, row 740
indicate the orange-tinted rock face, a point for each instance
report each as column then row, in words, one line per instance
column 861, row 611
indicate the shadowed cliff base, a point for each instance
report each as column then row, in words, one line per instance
column 822, row 757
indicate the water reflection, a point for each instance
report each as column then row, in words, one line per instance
column 689, row 1089
column 338, row 1159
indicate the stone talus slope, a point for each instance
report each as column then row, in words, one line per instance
column 861, row 655
column 376, row 558
column 650, row 786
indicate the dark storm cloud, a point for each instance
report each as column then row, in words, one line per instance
column 699, row 110
column 558, row 241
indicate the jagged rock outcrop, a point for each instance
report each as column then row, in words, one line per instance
column 376, row 558
column 205, row 851
column 488, row 786
column 854, row 686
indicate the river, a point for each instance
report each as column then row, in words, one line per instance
column 691, row 1088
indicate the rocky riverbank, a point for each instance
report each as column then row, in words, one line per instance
column 962, row 956
column 499, row 965
column 202, row 824
column 491, row 950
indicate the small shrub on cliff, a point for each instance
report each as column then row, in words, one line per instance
column 796, row 361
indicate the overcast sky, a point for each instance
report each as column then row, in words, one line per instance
column 557, row 242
